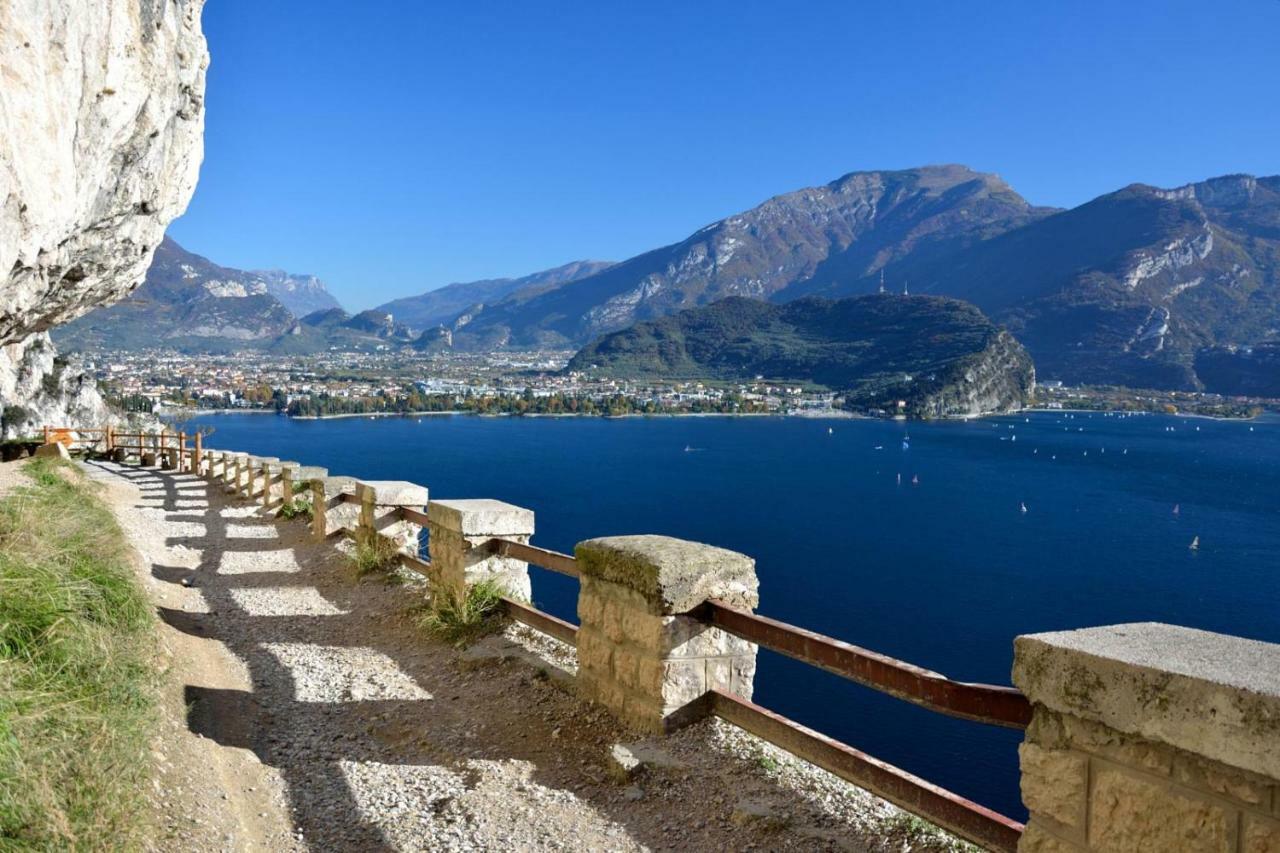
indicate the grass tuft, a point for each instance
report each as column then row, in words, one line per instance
column 78, row 688
column 375, row 554
column 463, row 619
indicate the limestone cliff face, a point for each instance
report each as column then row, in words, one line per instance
column 101, row 136
column 40, row 388
column 999, row 378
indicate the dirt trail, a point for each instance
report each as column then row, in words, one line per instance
column 308, row 711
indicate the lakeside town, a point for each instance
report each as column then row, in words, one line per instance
column 523, row 383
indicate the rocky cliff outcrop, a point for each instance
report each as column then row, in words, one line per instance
column 939, row 357
column 101, row 128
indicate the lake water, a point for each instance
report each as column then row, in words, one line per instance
column 943, row 572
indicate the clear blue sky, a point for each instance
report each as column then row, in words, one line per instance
column 392, row 147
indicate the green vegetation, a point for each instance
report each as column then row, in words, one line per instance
column 876, row 350
column 375, row 554
column 77, row 685
column 323, row 405
column 297, row 508
column 463, row 619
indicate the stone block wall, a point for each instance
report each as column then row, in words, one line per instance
column 458, row 527
column 639, row 652
column 1150, row 738
column 379, row 502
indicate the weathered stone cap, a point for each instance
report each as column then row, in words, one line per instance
column 310, row 472
column 481, row 517
column 674, row 575
column 1211, row 694
column 394, row 492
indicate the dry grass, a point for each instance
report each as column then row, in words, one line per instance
column 374, row 554
column 463, row 619
column 77, row 682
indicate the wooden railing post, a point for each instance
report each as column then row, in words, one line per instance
column 640, row 653
column 197, row 455
column 46, row 434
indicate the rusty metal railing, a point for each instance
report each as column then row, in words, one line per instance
column 984, row 703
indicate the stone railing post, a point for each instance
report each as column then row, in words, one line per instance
column 296, row 480
column 379, row 502
column 329, row 513
column 239, row 464
column 639, row 653
column 288, row 476
column 232, row 460
column 272, row 481
column 1150, row 737
column 459, row 525
column 257, row 472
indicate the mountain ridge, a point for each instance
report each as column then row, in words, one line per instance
column 765, row 250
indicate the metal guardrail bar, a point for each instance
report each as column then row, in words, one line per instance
column 983, row 703
column 950, row 811
column 565, row 632
column 551, row 560
column 414, row 516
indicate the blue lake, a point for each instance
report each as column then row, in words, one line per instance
column 943, row 572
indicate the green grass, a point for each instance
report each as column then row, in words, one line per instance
column 78, row 688
column 297, row 508
column 463, row 619
column 375, row 555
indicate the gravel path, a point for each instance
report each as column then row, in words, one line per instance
column 310, row 712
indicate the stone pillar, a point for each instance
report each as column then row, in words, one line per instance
column 379, row 502
column 231, row 460
column 147, row 459
column 296, row 480
column 459, row 525
column 639, row 655
column 235, row 478
column 255, row 476
column 329, row 513
column 1150, row 737
column 231, row 469
column 272, row 481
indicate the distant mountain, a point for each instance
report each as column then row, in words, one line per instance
column 186, row 301
column 443, row 305
column 301, row 294
column 1144, row 287
column 941, row 356
column 786, row 247
column 334, row 328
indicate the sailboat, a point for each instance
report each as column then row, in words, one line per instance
column 1195, row 544
column 915, row 480
column 830, row 431
column 1022, row 507
column 1177, row 509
